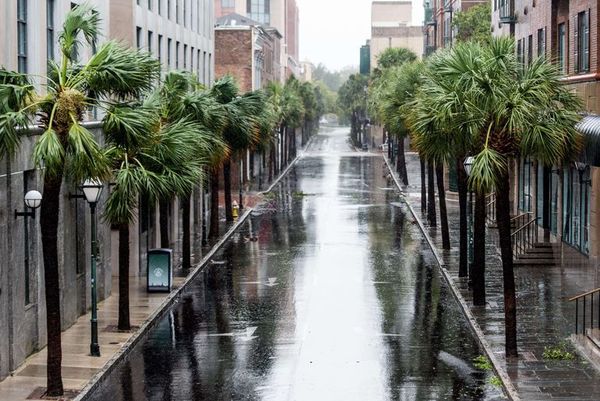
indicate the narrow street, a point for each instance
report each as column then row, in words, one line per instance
column 329, row 292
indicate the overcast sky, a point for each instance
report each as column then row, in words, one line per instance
column 332, row 31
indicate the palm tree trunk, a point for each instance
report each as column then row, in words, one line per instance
column 431, row 217
column 478, row 268
column 124, row 323
column 463, row 260
column 401, row 162
column 49, row 226
column 439, row 172
column 423, row 186
column 186, row 252
column 227, row 189
column 214, row 203
column 504, row 232
column 163, row 209
column 271, row 162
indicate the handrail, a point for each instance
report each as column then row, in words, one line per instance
column 520, row 215
column 584, row 314
column 523, row 227
column 585, row 294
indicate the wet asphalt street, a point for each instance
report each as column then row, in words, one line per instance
column 338, row 299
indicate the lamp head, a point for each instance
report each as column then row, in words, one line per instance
column 468, row 164
column 33, row 199
column 92, row 189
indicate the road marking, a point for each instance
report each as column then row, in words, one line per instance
column 271, row 282
column 245, row 335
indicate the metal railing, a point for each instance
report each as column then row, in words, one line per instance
column 525, row 235
column 585, row 311
column 490, row 208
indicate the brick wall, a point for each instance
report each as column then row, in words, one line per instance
column 233, row 55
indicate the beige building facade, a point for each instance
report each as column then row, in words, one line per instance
column 391, row 27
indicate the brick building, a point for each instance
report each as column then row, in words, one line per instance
column 561, row 197
column 437, row 27
column 282, row 15
column 247, row 50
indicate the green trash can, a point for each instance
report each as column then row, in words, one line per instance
column 160, row 270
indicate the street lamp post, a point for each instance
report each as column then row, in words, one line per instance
column 92, row 189
column 468, row 164
column 33, row 200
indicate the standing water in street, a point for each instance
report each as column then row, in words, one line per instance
column 338, row 299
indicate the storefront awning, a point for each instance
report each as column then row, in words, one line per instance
column 589, row 127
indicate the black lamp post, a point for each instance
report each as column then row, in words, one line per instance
column 468, row 164
column 92, row 189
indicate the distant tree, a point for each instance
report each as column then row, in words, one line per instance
column 352, row 100
column 395, row 57
column 474, row 24
column 332, row 79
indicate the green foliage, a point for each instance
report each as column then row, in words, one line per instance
column 495, row 381
column 473, row 24
column 352, row 96
column 333, row 80
column 476, row 98
column 482, row 363
column 395, row 57
column 560, row 352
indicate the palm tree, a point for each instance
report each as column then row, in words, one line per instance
column 510, row 110
column 180, row 97
column 241, row 129
column 66, row 149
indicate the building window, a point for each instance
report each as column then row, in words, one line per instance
column 150, row 41
column 22, row 35
column 160, row 48
column 177, row 55
column 192, row 52
column 185, row 51
column 541, row 42
column 204, row 70
column 138, row 37
column 562, row 48
column 198, row 66
column 576, row 208
column 184, row 13
column 159, row 7
column 49, row 30
column 520, row 51
column 209, row 68
column 150, row 5
column 582, row 42
column 169, row 9
column 177, row 14
column 525, row 169
column 169, row 50
column 529, row 49
column 259, row 10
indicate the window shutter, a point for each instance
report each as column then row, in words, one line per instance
column 576, row 43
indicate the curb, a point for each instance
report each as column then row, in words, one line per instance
column 288, row 168
column 157, row 314
column 110, row 365
column 507, row 383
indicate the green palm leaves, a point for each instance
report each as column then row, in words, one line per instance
column 478, row 99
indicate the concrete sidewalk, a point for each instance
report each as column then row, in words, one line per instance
column 544, row 315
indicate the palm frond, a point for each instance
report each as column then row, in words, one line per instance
column 83, row 19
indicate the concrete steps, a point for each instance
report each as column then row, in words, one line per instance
column 541, row 254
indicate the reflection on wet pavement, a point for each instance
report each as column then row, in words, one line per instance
column 339, row 299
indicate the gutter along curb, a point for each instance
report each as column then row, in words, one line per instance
column 171, row 299
column 500, row 371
